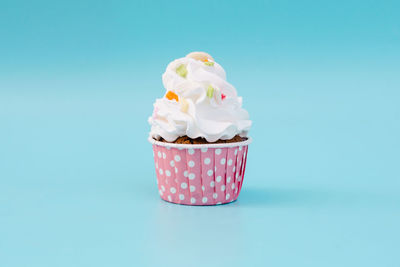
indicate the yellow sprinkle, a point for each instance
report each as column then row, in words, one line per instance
column 209, row 63
column 210, row 91
column 181, row 70
column 184, row 104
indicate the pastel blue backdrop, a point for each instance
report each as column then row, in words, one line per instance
column 321, row 81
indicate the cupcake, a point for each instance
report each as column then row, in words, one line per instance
column 199, row 134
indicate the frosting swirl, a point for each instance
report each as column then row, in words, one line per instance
column 199, row 102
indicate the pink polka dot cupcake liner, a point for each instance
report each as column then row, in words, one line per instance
column 206, row 174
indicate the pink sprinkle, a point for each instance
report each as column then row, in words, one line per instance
column 155, row 112
column 223, row 96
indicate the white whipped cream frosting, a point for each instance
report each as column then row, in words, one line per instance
column 198, row 112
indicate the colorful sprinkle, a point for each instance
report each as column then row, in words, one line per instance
column 202, row 56
column 155, row 112
column 210, row 91
column 171, row 95
column 209, row 63
column 182, row 71
column 223, row 96
column 184, row 104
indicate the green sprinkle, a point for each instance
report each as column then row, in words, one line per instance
column 181, row 70
column 209, row 63
column 210, row 91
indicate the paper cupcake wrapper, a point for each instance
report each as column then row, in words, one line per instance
column 208, row 174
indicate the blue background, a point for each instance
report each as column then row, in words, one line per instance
column 320, row 79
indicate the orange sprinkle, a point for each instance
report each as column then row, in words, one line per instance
column 171, row 95
column 205, row 60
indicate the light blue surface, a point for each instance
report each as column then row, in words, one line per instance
column 321, row 81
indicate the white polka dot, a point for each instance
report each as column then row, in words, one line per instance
column 176, row 170
column 233, row 186
column 235, row 152
column 177, row 158
column 218, row 179
column 204, row 200
column 219, row 203
column 159, row 154
column 203, row 188
column 212, row 184
column 168, row 173
column 169, row 198
column 162, row 188
column 164, row 156
column 183, row 185
column 222, row 188
column 207, row 160
column 223, row 160
column 191, row 151
column 228, row 180
column 161, row 171
column 240, row 148
column 192, row 200
column 218, row 151
column 186, row 173
column 191, row 164
column 233, row 169
column 172, row 163
column 239, row 179
column 204, row 149
column 192, row 188
column 172, row 190
column 236, row 191
column 161, row 192
column 227, row 196
column 181, row 197
column 157, row 181
column 210, row 172
column 168, row 148
column 237, row 175
column 215, row 195
column 229, row 162
column 192, row 176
